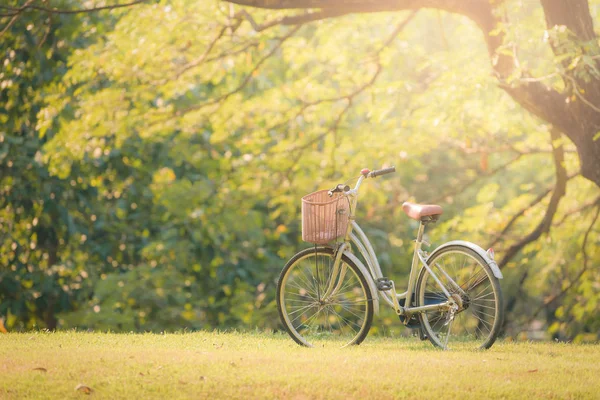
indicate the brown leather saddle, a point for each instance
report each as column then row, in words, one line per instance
column 422, row 212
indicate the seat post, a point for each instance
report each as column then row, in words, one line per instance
column 413, row 269
column 420, row 232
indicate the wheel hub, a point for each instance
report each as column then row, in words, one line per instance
column 457, row 300
column 462, row 301
column 466, row 301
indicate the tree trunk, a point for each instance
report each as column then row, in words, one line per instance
column 583, row 87
column 50, row 316
column 574, row 14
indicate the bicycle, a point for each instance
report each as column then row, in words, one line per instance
column 326, row 296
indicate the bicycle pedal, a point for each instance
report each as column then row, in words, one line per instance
column 384, row 284
column 412, row 322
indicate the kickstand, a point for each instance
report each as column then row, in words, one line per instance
column 422, row 334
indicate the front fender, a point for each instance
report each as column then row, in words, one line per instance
column 490, row 260
column 367, row 275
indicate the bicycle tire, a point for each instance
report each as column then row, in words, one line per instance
column 476, row 331
column 333, row 311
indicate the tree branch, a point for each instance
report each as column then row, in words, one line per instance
column 203, row 57
column 537, row 98
column 468, row 184
column 579, row 275
column 577, row 90
column 244, row 82
column 290, row 19
column 243, row 14
column 30, row 6
column 364, row 5
column 334, row 127
column 350, row 96
column 480, row 11
column 15, row 16
column 522, row 212
column 515, row 217
column 584, row 207
column 557, row 194
column 298, row 150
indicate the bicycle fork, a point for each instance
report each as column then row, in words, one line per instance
column 337, row 275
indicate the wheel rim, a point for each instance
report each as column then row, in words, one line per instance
column 475, row 322
column 315, row 320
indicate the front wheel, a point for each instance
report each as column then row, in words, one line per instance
column 475, row 292
column 320, row 305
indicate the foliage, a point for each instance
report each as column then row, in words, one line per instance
column 41, row 217
column 179, row 141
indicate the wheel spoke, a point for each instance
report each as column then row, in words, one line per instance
column 348, row 322
column 303, row 297
column 342, row 319
column 347, row 309
column 484, row 306
column 315, row 313
column 474, row 323
column 489, row 285
column 301, row 309
column 303, row 288
column 308, row 278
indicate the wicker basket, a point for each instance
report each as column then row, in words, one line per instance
column 324, row 218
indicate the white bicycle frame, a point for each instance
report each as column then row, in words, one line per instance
column 372, row 272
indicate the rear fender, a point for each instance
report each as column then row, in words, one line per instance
column 489, row 259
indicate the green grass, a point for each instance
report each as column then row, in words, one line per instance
column 241, row 366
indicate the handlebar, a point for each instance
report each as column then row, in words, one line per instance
column 379, row 172
column 365, row 174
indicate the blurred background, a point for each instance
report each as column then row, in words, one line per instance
column 153, row 158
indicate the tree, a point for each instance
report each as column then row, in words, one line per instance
column 55, row 224
column 572, row 107
column 215, row 125
column 40, row 215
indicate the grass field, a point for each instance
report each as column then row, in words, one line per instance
column 241, row 366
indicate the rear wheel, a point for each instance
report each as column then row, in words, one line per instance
column 477, row 317
column 314, row 317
